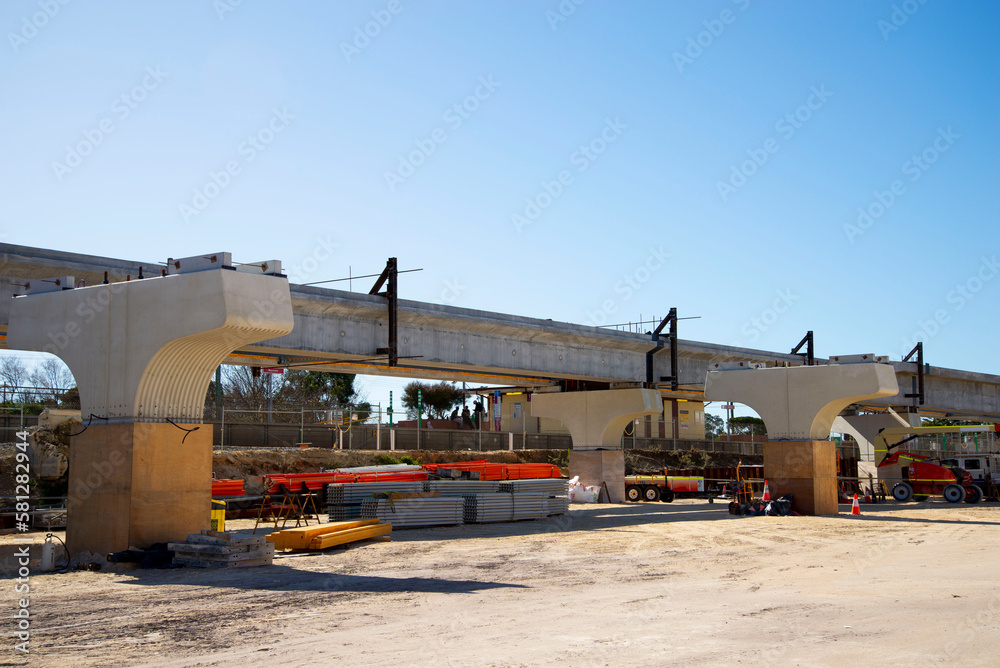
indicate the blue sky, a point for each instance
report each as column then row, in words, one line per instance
column 771, row 167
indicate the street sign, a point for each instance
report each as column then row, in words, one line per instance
column 728, row 407
column 273, row 370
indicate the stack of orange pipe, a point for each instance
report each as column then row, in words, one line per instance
column 227, row 487
column 491, row 471
column 314, row 482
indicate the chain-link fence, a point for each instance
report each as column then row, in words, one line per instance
column 12, row 420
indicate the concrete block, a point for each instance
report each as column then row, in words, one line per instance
column 137, row 484
column 600, row 466
column 807, row 469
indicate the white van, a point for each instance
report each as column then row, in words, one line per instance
column 978, row 466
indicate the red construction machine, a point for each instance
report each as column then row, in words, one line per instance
column 925, row 476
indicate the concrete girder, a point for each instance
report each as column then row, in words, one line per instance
column 800, row 403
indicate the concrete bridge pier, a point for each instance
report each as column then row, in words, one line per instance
column 799, row 405
column 864, row 428
column 596, row 421
column 143, row 353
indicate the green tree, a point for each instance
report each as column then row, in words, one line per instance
column 747, row 425
column 943, row 422
column 714, row 426
column 322, row 387
column 438, row 399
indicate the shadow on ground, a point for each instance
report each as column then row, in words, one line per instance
column 285, row 578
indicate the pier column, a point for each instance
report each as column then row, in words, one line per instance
column 142, row 353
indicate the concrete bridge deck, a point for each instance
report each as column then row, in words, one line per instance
column 337, row 330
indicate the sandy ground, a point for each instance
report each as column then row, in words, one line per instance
column 612, row 585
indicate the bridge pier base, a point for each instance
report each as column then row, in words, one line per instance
column 143, row 353
column 805, row 469
column 138, row 484
column 596, row 421
column 600, row 466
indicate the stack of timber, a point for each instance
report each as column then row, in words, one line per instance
column 344, row 499
column 212, row 549
column 324, row 536
column 415, row 512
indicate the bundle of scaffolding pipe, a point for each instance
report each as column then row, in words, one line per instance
column 356, row 492
column 461, row 487
column 490, row 507
column 344, row 513
column 425, row 512
column 556, row 505
column 529, row 505
column 547, row 486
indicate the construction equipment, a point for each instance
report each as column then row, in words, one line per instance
column 923, row 477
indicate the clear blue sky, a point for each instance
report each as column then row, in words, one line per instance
column 835, row 99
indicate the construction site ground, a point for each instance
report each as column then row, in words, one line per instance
column 607, row 585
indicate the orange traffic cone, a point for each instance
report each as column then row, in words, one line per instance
column 855, row 509
column 767, row 493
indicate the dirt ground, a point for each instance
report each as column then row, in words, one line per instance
column 611, row 585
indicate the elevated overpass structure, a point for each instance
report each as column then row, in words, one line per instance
column 349, row 332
